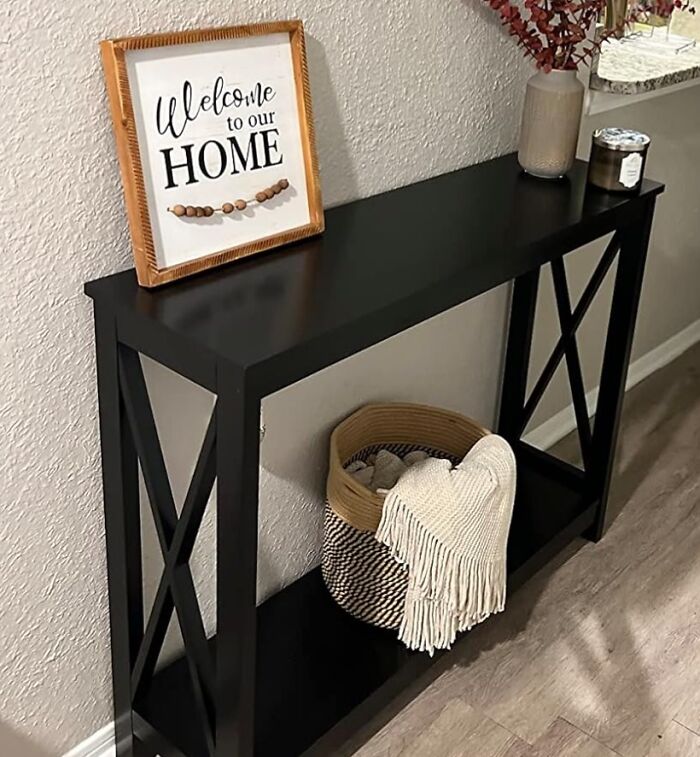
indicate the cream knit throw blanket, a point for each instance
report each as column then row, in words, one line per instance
column 449, row 526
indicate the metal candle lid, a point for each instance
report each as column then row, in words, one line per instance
column 625, row 140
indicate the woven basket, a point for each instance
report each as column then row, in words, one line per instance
column 359, row 572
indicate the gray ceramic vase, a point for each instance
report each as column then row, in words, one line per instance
column 551, row 122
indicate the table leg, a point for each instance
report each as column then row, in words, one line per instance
column 237, row 419
column 618, row 346
column 521, row 325
column 123, row 529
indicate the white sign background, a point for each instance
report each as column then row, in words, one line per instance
column 160, row 72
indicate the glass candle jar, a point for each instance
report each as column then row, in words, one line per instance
column 617, row 159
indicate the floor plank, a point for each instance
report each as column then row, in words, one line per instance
column 604, row 643
column 563, row 740
column 676, row 741
column 689, row 712
column 458, row 731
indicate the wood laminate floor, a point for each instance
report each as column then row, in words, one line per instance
column 599, row 655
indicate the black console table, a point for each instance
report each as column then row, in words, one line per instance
column 298, row 675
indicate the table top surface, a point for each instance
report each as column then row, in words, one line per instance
column 383, row 264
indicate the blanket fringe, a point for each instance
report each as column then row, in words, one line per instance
column 448, row 591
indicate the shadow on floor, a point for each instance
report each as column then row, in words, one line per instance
column 601, row 639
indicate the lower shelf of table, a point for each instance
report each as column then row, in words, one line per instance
column 321, row 673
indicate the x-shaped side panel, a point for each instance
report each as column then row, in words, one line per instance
column 566, row 345
column 176, row 537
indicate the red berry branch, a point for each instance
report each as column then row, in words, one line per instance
column 555, row 33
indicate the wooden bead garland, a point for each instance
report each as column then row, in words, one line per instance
column 198, row 211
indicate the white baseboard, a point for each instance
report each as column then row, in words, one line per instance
column 558, row 426
column 101, row 743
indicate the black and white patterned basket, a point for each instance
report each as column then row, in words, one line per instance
column 360, row 573
column 358, row 570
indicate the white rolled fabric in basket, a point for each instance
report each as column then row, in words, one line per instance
column 450, row 526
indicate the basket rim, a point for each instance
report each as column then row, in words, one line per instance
column 335, row 461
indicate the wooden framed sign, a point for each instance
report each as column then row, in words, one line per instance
column 216, row 144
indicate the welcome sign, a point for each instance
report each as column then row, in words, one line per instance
column 215, row 141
